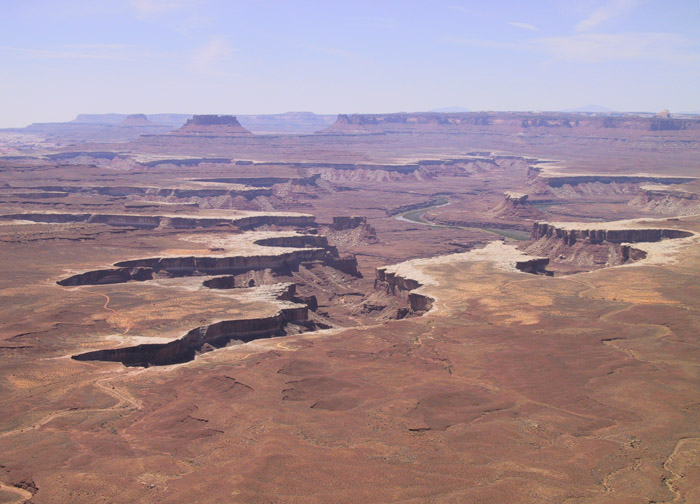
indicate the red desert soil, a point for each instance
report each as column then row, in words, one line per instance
column 412, row 309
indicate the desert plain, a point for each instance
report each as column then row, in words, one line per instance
column 432, row 307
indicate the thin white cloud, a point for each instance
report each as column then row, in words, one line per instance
column 612, row 9
column 599, row 47
column 524, row 26
column 212, row 55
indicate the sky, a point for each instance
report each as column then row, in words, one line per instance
column 62, row 58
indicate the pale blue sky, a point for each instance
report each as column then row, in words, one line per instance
column 61, row 58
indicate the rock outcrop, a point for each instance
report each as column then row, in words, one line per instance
column 403, row 288
column 514, row 206
column 583, row 246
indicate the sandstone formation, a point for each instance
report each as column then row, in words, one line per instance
column 215, row 335
column 515, row 205
column 570, row 233
column 599, row 245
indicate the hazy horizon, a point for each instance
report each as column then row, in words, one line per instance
column 62, row 59
column 438, row 110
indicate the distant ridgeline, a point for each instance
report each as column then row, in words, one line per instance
column 426, row 121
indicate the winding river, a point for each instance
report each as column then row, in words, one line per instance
column 415, row 216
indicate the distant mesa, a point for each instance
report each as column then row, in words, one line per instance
column 137, row 120
column 213, row 125
column 502, row 122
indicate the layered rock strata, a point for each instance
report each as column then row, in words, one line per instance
column 553, row 178
column 569, row 234
column 149, row 268
column 603, row 245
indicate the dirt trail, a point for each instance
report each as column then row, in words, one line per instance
column 125, row 401
column 677, row 474
column 119, row 315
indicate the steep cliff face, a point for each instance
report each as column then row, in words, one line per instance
column 576, row 247
column 403, row 288
column 312, row 249
column 572, row 235
column 216, row 335
column 212, row 125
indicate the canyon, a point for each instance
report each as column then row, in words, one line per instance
column 410, row 307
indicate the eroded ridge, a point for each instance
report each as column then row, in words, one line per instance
column 287, row 252
column 216, row 335
column 577, row 246
column 264, row 260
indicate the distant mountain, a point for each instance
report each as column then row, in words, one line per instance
column 591, row 109
column 450, row 109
